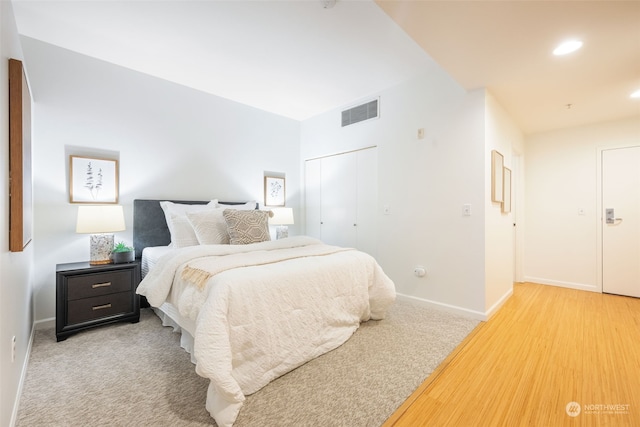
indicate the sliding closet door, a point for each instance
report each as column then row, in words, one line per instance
column 339, row 203
column 313, row 197
column 341, row 198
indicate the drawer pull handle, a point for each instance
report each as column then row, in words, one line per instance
column 101, row 285
column 100, row 307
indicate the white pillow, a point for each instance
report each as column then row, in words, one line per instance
column 182, row 233
column 210, row 226
column 249, row 206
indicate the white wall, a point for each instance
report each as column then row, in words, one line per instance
column 15, row 267
column 561, row 178
column 425, row 183
column 171, row 142
column 503, row 135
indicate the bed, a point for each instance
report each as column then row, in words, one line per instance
column 250, row 310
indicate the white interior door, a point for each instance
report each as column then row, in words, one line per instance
column 313, row 198
column 621, row 221
column 341, row 199
column 516, row 209
column 339, row 207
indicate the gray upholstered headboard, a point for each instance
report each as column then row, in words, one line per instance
column 149, row 223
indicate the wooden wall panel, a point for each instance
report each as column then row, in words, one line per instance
column 19, row 158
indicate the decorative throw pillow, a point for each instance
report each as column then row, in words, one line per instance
column 209, row 226
column 246, row 227
column 180, row 228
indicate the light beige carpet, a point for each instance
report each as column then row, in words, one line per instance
column 137, row 375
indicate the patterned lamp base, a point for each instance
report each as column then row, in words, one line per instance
column 100, row 249
column 282, row 231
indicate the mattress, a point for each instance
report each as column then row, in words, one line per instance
column 150, row 257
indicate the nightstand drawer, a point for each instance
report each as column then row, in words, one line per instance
column 93, row 285
column 86, row 309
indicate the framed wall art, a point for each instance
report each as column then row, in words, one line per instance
column 20, row 182
column 506, row 191
column 497, row 163
column 274, row 191
column 93, row 180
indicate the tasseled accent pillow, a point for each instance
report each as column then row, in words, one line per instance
column 246, row 227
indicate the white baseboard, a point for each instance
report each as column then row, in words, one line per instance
column 23, row 376
column 444, row 307
column 477, row 315
column 45, row 323
column 495, row 307
column 570, row 285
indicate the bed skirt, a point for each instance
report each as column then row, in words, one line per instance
column 170, row 317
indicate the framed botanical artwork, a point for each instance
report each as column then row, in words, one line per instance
column 274, row 194
column 506, row 191
column 20, row 183
column 497, row 163
column 93, row 180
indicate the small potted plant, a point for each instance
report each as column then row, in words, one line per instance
column 122, row 253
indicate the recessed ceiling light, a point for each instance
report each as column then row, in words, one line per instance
column 635, row 94
column 567, row 47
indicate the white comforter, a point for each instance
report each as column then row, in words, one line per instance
column 264, row 309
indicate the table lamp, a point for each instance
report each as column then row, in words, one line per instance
column 100, row 221
column 281, row 218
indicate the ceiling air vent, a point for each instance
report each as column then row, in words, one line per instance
column 360, row 113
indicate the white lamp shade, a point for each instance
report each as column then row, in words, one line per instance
column 281, row 216
column 95, row 219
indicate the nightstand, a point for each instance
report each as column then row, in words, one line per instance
column 92, row 295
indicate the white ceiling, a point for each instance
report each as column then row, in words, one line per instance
column 297, row 59
column 507, row 47
column 293, row 58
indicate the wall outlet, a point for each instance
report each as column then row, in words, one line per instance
column 13, row 349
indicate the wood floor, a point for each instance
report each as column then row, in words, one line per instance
column 545, row 348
